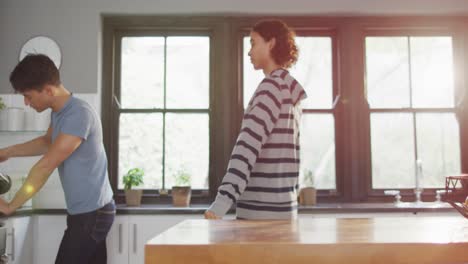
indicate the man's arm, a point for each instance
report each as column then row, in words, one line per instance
column 59, row 151
column 35, row 147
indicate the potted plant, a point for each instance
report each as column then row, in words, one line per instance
column 181, row 191
column 2, row 104
column 133, row 178
column 308, row 193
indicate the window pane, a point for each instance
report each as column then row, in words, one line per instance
column 140, row 145
column 438, row 147
column 142, row 79
column 387, row 72
column 187, row 148
column 314, row 71
column 432, row 72
column 252, row 77
column 318, row 149
column 393, row 160
column 188, row 72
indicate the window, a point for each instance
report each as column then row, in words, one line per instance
column 164, row 114
column 381, row 96
column 314, row 71
column 410, row 90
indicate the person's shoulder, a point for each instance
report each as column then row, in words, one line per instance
column 82, row 103
column 274, row 82
column 269, row 90
column 78, row 101
column 81, row 106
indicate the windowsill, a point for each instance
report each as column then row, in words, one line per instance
column 319, row 208
column 332, row 208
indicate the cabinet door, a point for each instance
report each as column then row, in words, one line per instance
column 142, row 228
column 48, row 233
column 117, row 241
column 19, row 240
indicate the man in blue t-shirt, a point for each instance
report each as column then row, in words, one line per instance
column 73, row 144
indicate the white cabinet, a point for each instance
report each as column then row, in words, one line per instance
column 125, row 242
column 48, row 233
column 19, row 247
column 144, row 228
column 129, row 234
column 117, row 241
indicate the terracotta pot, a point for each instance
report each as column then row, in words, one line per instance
column 181, row 196
column 133, row 197
column 308, row 196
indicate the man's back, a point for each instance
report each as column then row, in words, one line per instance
column 83, row 174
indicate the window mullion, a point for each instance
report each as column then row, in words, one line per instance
column 415, row 129
column 164, row 117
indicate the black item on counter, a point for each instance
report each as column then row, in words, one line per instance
column 5, row 183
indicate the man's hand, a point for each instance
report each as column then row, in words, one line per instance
column 3, row 155
column 5, row 208
column 210, row 215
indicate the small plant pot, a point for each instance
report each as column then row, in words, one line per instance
column 133, row 197
column 181, row 196
column 308, row 196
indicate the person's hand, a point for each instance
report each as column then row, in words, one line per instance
column 210, row 215
column 3, row 155
column 5, row 208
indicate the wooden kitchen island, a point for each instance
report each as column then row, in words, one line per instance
column 314, row 240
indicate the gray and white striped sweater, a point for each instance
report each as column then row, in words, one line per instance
column 262, row 174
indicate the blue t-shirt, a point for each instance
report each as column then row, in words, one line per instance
column 83, row 174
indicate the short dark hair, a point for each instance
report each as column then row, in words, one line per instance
column 285, row 51
column 33, row 72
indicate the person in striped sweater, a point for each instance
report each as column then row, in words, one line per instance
column 262, row 174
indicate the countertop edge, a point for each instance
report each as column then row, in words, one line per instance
column 331, row 208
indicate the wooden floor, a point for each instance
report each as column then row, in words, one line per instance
column 314, row 240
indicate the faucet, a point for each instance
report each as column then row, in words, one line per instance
column 438, row 195
column 418, row 180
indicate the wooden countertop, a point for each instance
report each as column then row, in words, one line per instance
column 314, row 240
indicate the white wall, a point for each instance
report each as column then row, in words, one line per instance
column 76, row 26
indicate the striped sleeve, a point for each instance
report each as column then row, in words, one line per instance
column 258, row 123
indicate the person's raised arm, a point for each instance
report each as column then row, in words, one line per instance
column 35, row 147
column 61, row 149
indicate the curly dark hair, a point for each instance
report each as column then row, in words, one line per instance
column 285, row 51
column 33, row 72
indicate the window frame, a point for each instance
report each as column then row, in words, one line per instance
column 351, row 110
column 306, row 26
column 115, row 28
column 413, row 28
column 336, row 193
